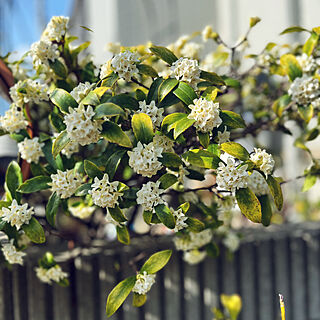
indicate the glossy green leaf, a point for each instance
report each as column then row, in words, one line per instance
column 91, row 99
column 35, row 184
column 113, row 162
column 165, row 216
column 179, row 122
column 171, row 159
column 212, row 77
column 63, row 99
column 147, row 216
column 83, row 190
column 156, row 262
column 123, row 235
column 311, row 44
column 108, row 109
column 281, row 104
column 164, row 54
column 14, row 180
column 204, row 138
column 117, row 214
column 291, row 66
column 34, row 231
column 147, row 70
column 306, row 112
column 185, row 93
column 92, row 170
column 232, row 119
column 138, row 300
column 276, row 191
column 166, row 87
column 202, row 158
column 236, row 150
column 154, row 89
column 56, row 121
column 60, row 143
column 52, row 208
column 113, row 133
column 125, row 101
column 110, row 80
column 266, row 210
column 293, row 29
column 195, row 225
column 142, row 127
column 58, row 68
column 167, row 180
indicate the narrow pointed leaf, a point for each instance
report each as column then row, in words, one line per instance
column 113, row 133
column 165, row 216
column 276, row 191
column 156, row 262
column 108, row 109
column 236, row 150
column 52, row 208
column 35, row 184
column 164, row 54
column 142, row 127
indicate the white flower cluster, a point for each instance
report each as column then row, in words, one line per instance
column 28, row 91
column 187, row 70
column 149, row 195
column 162, row 141
column 54, row 273
column 80, row 125
column 308, row 63
column 105, row 193
column 56, row 28
column 223, row 136
column 258, row 184
column 231, row 241
column 304, row 90
column 43, row 51
column 124, row 64
column 30, row 149
column 81, row 211
column 193, row 240
column 16, row 214
column 13, row 120
column 105, row 70
column 11, row 254
column 81, row 91
column 206, row 114
column 264, row 60
column 144, row 282
column 181, row 219
column 262, row 160
column 231, row 177
column 143, row 159
column 65, row 183
column 152, row 111
column 194, row 256
column 191, row 50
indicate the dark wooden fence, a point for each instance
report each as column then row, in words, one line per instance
column 282, row 260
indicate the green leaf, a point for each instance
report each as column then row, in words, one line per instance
column 54, row 163
column 291, row 66
column 92, row 170
column 212, row 250
column 81, row 47
column 91, row 99
column 306, row 112
column 204, row 138
column 185, row 207
column 167, row 180
column 83, row 190
column 117, row 214
column 249, row 204
column 166, row 87
column 202, row 158
column 113, row 162
column 310, row 44
column 56, row 122
column 35, row 184
column 185, row 93
column 142, row 127
column 107, row 109
column 110, row 80
column 276, row 191
column 164, row 54
column 14, row 180
column 52, row 208
column 293, row 29
column 195, row 225
column 309, row 182
column 123, row 235
column 281, row 104
column 165, row 216
column 147, row 216
column 312, row 134
column 140, row 95
column 232, row 119
column 125, row 101
column 170, row 159
column 254, row 21
column 179, row 122
column 153, row 91
column 58, row 68
column 19, row 136
column 113, row 133
column 214, row 148
column 34, row 231
column 118, row 294
column 60, row 143
column 138, row 300
column 266, row 210
column 236, row 150
column 212, row 77
column 147, row 70
column 156, row 262
column 62, row 99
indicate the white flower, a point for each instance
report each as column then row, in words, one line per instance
column 187, row 70
column 152, row 111
column 23, row 239
column 143, row 283
column 231, row 177
column 304, row 90
column 65, row 183
column 81, row 91
column 149, row 195
column 56, row 28
column 193, row 240
column 258, row 184
column 143, row 159
column 54, row 273
column 181, row 219
column 223, row 136
column 231, row 241
column 13, row 120
column 262, row 160
column 29, row 91
column 30, row 149
column 206, row 33
column 307, row 63
column 105, row 70
column 191, row 50
column 124, row 64
column 264, row 60
column 43, row 51
column 113, row 47
column 16, row 214
column 81, row 127
column 81, row 211
column 206, row 114
column 162, row 141
column 11, row 254
column 194, row 256
column 105, row 193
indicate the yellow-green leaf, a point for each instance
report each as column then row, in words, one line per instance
column 156, row 262
column 291, row 66
column 164, row 54
column 236, row 150
column 311, row 43
column 142, row 127
column 165, row 215
column 138, row 300
column 113, row 133
column 266, row 209
column 123, row 235
column 35, row 184
column 202, row 158
column 63, row 99
column 276, row 191
column 306, row 112
column 34, row 231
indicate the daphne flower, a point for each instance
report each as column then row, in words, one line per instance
column 258, row 184
column 56, row 28
column 16, row 214
column 231, row 241
column 105, row 193
column 124, row 64
column 65, row 183
column 13, row 120
column 54, row 273
column 152, row 111
column 223, row 136
column 43, row 51
column 81, row 91
column 181, row 219
column 194, row 256
column 308, row 63
column 149, row 195
column 162, row 141
column 191, row 50
column 206, row 114
column 193, row 240
column 30, row 149
column 187, row 70
column 143, row 159
column 144, row 282
column 262, row 160
column 231, row 177
column 11, row 254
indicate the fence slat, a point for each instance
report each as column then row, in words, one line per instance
column 20, row 292
column 191, row 292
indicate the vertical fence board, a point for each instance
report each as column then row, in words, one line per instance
column 20, row 292
column 8, row 295
column 2, row 294
column 191, row 291
column 229, row 283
